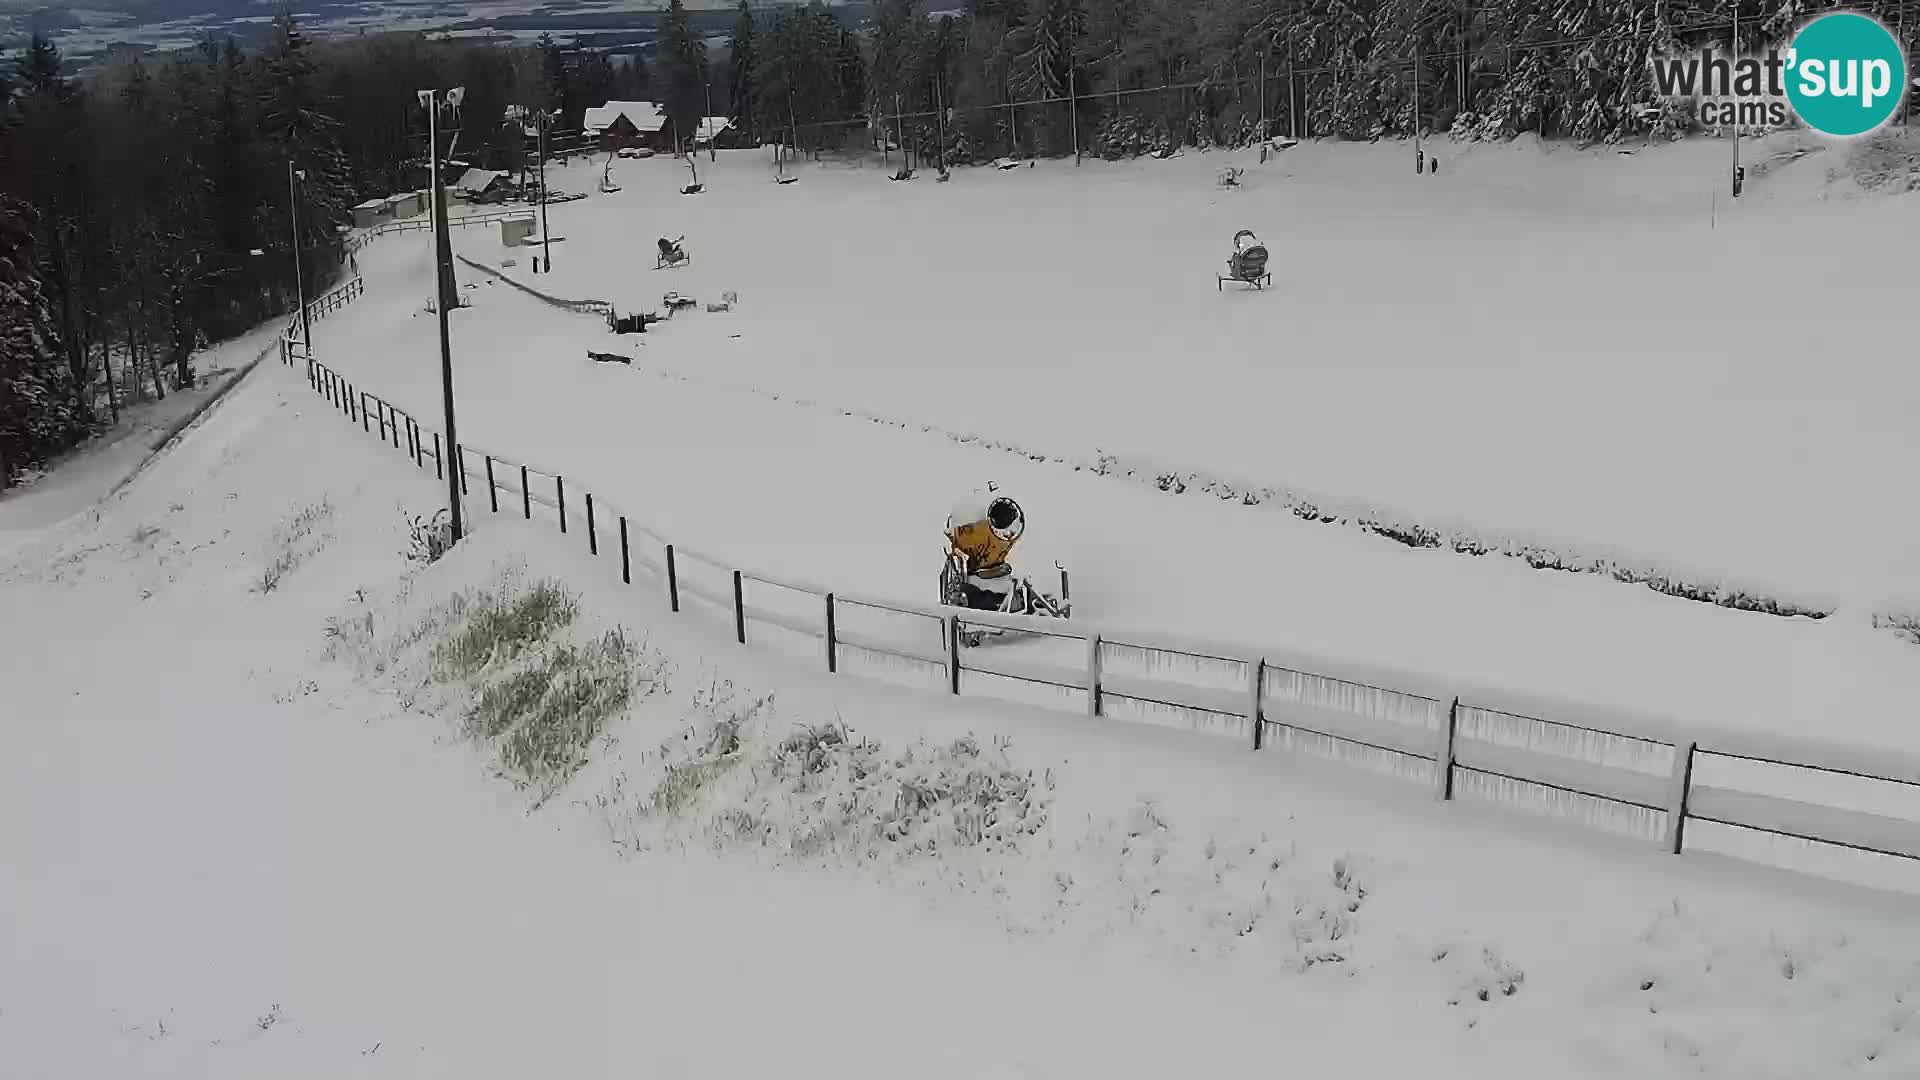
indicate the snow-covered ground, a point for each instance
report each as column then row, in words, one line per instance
column 77, row 482
column 1579, row 388
column 234, row 845
column 1579, row 349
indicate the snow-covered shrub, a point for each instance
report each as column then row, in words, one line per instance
column 428, row 538
column 1906, row 624
column 826, row 793
column 295, row 541
column 542, row 716
column 497, row 629
column 538, row 700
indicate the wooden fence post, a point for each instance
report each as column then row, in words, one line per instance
column 1443, row 758
column 1677, row 803
column 1256, row 690
column 493, row 490
column 1093, row 674
column 460, row 466
column 593, row 534
column 560, row 493
column 438, row 472
column 739, row 609
column 833, row 658
column 526, row 495
column 673, row 581
column 626, row 567
column 365, row 425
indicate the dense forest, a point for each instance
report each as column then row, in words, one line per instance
column 148, row 208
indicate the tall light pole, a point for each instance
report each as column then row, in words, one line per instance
column 299, row 279
column 449, row 294
column 713, row 137
column 546, row 236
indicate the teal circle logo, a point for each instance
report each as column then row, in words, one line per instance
column 1846, row 74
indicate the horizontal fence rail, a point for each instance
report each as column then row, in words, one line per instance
column 1603, row 768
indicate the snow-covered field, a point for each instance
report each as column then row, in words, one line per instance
column 233, row 844
column 1569, row 348
column 1559, row 342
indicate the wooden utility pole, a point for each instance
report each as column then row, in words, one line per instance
column 1292, row 109
column 939, row 126
column 1013, row 121
column 1419, row 157
column 1073, row 114
column 1263, row 87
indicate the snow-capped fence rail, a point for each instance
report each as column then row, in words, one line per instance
column 424, row 223
column 1820, row 808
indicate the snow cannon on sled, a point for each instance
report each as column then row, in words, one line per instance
column 1248, row 262
column 671, row 253
column 981, row 533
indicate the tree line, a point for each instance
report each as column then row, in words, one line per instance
column 148, row 208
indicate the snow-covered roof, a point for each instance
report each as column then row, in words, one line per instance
column 711, row 126
column 645, row 116
column 372, row 204
column 477, row 180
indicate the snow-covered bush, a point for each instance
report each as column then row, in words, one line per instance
column 295, row 541
column 543, row 715
column 496, row 628
column 428, row 538
column 826, row 793
column 538, row 700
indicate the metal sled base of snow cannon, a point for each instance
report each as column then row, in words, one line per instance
column 1021, row 599
column 1260, row 282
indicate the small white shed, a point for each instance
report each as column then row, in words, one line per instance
column 406, row 204
column 514, row 231
column 369, row 213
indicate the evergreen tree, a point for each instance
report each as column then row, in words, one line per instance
column 53, row 179
column 850, row 71
column 556, row 83
column 899, row 41
column 35, row 407
column 681, row 64
column 299, row 130
column 742, row 59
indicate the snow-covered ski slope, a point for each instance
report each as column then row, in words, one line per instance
column 1578, row 350
column 227, row 855
column 704, row 436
